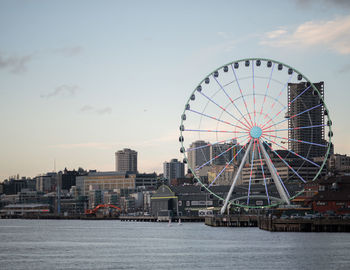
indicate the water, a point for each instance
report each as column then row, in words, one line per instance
column 78, row 244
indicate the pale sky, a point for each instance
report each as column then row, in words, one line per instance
column 80, row 80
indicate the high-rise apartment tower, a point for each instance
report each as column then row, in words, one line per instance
column 314, row 117
column 173, row 169
column 126, row 161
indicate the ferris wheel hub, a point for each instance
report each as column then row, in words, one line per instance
column 255, row 132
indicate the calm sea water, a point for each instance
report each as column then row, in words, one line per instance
column 76, row 244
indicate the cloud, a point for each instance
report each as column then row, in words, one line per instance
column 15, row 64
column 62, row 91
column 276, row 33
column 100, row 111
column 333, row 34
column 69, row 51
column 223, row 35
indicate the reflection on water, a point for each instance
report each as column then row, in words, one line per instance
column 77, row 244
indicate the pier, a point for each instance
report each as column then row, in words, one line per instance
column 232, row 221
column 304, row 225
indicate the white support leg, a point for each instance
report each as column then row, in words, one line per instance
column 236, row 177
column 274, row 175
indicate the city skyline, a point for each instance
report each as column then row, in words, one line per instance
column 75, row 89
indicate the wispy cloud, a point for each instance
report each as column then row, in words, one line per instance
column 62, row 91
column 333, row 34
column 69, row 51
column 15, row 64
column 92, row 109
column 223, row 35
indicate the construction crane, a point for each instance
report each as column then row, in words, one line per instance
column 94, row 210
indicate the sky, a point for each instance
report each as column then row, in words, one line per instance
column 80, row 80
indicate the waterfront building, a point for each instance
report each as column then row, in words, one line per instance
column 258, row 177
column 223, row 151
column 225, row 178
column 333, row 195
column 67, row 178
column 196, row 200
column 198, row 154
column 314, row 117
column 47, row 182
column 173, row 170
column 25, row 209
column 339, row 163
column 110, row 181
column 126, row 161
column 13, row 186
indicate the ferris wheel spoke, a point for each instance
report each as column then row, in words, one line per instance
column 232, row 101
column 278, row 97
column 286, row 163
column 296, row 128
column 251, row 171
column 228, row 196
column 216, row 157
column 240, row 90
column 263, row 173
column 254, row 92
column 286, row 107
column 294, row 153
column 227, row 165
column 282, row 190
column 210, row 144
column 295, row 115
column 267, row 88
column 219, row 120
column 299, row 141
column 282, row 90
column 223, row 109
column 217, row 131
column 307, row 88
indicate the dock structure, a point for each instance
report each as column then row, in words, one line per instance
column 232, row 221
column 161, row 219
column 304, row 225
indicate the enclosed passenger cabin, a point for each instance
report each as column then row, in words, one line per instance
column 236, row 65
column 225, row 68
column 206, row 80
column 258, row 63
column 216, row 74
column 247, row 62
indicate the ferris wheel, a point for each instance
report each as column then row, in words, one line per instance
column 258, row 127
